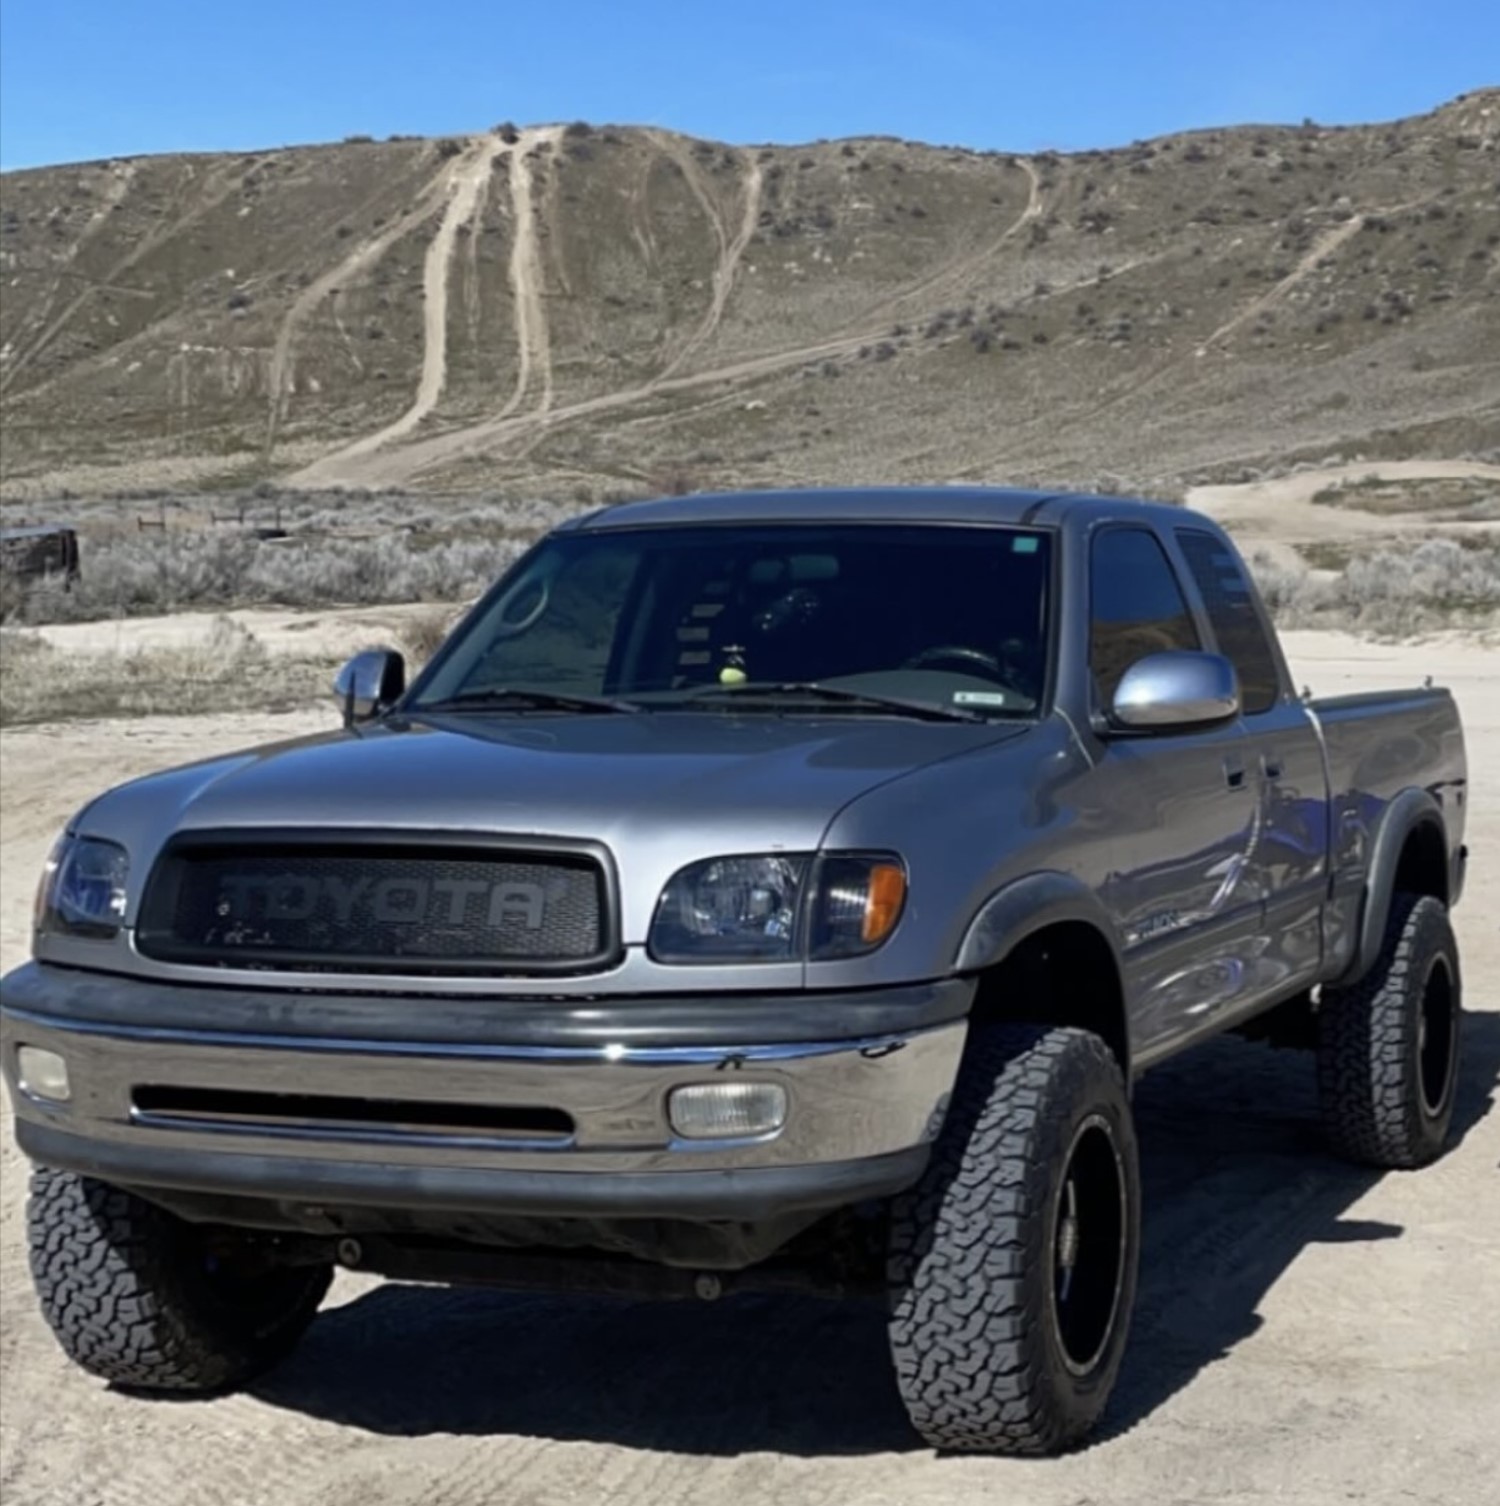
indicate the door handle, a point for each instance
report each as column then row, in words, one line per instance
column 1234, row 773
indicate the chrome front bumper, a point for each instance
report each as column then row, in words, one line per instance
column 860, row 1116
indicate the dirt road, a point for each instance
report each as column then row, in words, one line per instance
column 1306, row 1333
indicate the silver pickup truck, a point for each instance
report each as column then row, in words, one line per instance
column 777, row 890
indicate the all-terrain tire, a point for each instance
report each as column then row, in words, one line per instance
column 1388, row 1045
column 132, row 1295
column 988, row 1353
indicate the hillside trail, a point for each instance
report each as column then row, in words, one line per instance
column 731, row 244
column 462, row 183
column 210, row 198
column 1141, row 381
column 121, row 175
column 1321, row 248
column 279, row 379
column 511, row 426
column 731, row 249
column 533, row 343
column 953, row 273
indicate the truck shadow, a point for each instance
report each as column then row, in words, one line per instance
column 1237, row 1185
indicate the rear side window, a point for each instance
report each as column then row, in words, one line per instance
column 1236, row 624
column 1136, row 606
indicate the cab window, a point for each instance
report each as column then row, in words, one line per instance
column 1136, row 606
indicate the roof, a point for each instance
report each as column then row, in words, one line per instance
column 33, row 531
column 888, row 504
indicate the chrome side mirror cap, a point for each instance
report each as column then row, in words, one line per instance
column 1177, row 691
column 370, row 683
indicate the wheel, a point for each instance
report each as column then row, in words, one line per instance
column 134, row 1295
column 1012, row 1262
column 1388, row 1045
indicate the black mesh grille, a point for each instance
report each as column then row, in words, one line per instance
column 344, row 907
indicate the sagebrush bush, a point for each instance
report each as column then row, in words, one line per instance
column 136, row 575
column 1391, row 592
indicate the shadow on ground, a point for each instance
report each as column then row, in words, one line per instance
column 1237, row 1184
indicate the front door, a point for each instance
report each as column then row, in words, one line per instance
column 1186, row 812
column 1286, row 758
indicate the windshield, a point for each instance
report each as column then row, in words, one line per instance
column 756, row 616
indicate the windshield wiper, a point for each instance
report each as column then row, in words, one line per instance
column 503, row 696
column 836, row 694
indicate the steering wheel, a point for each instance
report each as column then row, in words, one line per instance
column 959, row 654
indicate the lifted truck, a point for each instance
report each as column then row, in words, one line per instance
column 780, row 889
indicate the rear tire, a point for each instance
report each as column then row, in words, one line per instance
column 1012, row 1262
column 1388, row 1045
column 133, row 1295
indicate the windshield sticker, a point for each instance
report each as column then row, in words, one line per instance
column 978, row 698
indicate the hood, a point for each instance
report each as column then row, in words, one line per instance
column 660, row 790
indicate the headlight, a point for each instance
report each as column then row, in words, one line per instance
column 83, row 888
column 731, row 910
column 778, row 907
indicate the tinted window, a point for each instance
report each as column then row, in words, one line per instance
column 957, row 615
column 1136, row 606
column 1231, row 610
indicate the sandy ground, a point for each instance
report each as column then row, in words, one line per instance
column 1306, row 1333
column 1279, row 512
column 301, row 634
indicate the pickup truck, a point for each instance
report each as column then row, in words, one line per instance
column 777, row 890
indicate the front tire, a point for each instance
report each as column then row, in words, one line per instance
column 134, row 1296
column 1388, row 1045
column 1012, row 1262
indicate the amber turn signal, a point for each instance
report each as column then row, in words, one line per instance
column 883, row 902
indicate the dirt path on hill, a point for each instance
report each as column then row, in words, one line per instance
column 463, row 182
column 533, row 346
column 282, row 372
column 732, row 240
column 357, row 464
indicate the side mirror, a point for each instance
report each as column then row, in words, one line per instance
column 1176, row 691
column 369, row 683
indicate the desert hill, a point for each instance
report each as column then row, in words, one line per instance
column 574, row 309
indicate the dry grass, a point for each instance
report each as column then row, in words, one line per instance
column 230, row 670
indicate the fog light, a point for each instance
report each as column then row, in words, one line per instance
column 727, row 1110
column 43, row 1074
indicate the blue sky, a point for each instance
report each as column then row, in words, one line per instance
column 83, row 79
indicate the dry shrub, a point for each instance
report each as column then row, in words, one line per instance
column 228, row 670
column 1390, row 593
column 139, row 575
column 423, row 634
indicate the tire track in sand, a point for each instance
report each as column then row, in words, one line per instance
column 533, row 348
column 511, row 425
column 213, row 194
column 463, row 183
column 279, row 379
column 964, row 266
column 1323, row 247
column 731, row 247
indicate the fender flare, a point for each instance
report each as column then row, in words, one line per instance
column 1407, row 812
column 1028, row 905
column 1024, row 906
